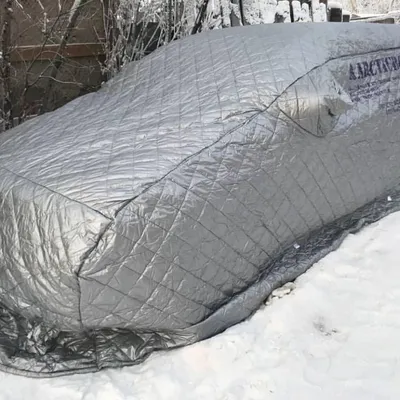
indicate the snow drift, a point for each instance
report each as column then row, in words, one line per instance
column 167, row 206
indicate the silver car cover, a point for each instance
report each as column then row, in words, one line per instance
column 167, row 206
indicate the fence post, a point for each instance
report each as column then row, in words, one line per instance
column 335, row 12
column 296, row 11
column 346, row 16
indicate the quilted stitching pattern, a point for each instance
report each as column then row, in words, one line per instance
column 166, row 208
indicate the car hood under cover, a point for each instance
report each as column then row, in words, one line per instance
column 167, row 206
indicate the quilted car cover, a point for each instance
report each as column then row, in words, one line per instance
column 167, row 206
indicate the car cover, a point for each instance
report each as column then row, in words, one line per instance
column 167, row 206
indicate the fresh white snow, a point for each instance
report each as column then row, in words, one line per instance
column 333, row 334
column 370, row 6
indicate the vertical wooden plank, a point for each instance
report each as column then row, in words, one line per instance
column 319, row 13
column 296, row 11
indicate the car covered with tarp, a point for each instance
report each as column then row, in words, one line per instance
column 167, row 206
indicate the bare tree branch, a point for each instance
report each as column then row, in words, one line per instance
column 59, row 59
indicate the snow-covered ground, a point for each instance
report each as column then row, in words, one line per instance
column 334, row 336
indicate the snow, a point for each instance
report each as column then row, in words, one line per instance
column 371, row 6
column 319, row 11
column 335, row 4
column 301, row 12
column 333, row 334
column 283, row 11
column 260, row 11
